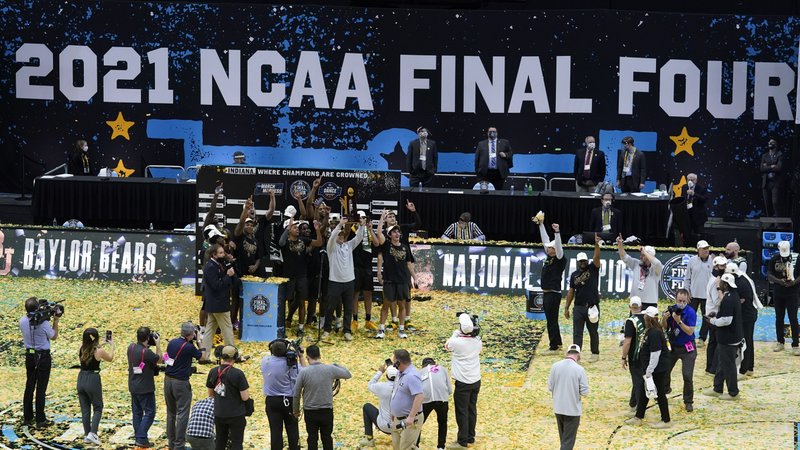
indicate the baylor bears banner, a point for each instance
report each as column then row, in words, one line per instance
column 300, row 86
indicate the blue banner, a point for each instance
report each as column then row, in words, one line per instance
column 259, row 311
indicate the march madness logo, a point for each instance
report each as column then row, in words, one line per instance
column 674, row 274
column 259, row 304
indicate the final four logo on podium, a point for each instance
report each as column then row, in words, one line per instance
column 259, row 304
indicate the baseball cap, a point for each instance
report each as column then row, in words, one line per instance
column 290, row 211
column 651, row 311
column 582, row 256
column 249, row 220
column 213, row 233
column 391, row 372
column 392, row 228
column 702, row 244
column 635, row 300
column 650, row 250
column 720, row 261
column 728, row 278
column 785, row 248
column 335, row 216
column 732, row 267
column 362, row 214
column 574, row 348
column 465, row 321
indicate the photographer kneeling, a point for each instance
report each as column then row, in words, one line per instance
column 177, row 389
column 380, row 416
column 280, row 371
column 466, row 347
column 36, row 335
column 142, row 368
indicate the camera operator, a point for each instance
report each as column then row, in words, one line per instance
column 177, row 389
column 216, row 297
column 679, row 320
column 36, row 335
column 89, row 386
column 229, row 387
column 279, row 372
column 436, row 390
column 142, row 367
column 380, row 417
column 466, row 350
column 406, row 403
column 314, row 384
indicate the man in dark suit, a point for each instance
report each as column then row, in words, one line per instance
column 695, row 195
column 605, row 218
column 772, row 179
column 631, row 167
column 422, row 159
column 590, row 166
column 493, row 159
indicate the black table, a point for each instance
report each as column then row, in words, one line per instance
column 503, row 216
column 115, row 202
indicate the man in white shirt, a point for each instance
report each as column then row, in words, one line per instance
column 436, row 390
column 381, row 416
column 568, row 383
column 341, row 275
column 698, row 272
column 466, row 347
column 646, row 273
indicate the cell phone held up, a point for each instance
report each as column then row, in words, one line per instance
column 108, row 335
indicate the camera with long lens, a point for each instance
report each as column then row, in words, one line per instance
column 45, row 310
column 293, row 350
column 476, row 328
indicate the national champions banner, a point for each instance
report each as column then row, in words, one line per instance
column 490, row 270
column 302, row 86
column 112, row 255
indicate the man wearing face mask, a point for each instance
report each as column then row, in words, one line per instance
column 772, row 179
column 679, row 321
column 631, row 167
column 732, row 253
column 79, row 163
column 583, row 288
column 590, row 166
column 748, row 297
column 646, row 273
column 728, row 321
column 422, row 159
column 713, row 299
column 698, row 272
column 784, row 274
column 695, row 195
column 605, row 218
column 493, row 159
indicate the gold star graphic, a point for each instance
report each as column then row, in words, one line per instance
column 678, row 188
column 683, row 142
column 122, row 170
column 120, row 127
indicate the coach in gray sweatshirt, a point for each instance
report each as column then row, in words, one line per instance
column 315, row 385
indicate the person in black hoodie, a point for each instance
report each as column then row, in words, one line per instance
column 729, row 339
column 748, row 297
column 654, row 360
column 216, row 297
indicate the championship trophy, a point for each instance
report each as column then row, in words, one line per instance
column 350, row 211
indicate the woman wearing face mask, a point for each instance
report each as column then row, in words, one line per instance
column 79, row 163
column 90, row 387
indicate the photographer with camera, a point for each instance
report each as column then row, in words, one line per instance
column 37, row 332
column 217, row 281
column 679, row 320
column 90, row 387
column 177, row 389
column 436, row 390
column 466, row 347
column 279, row 372
column 315, row 386
column 406, row 403
column 142, row 369
column 232, row 399
column 380, row 417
